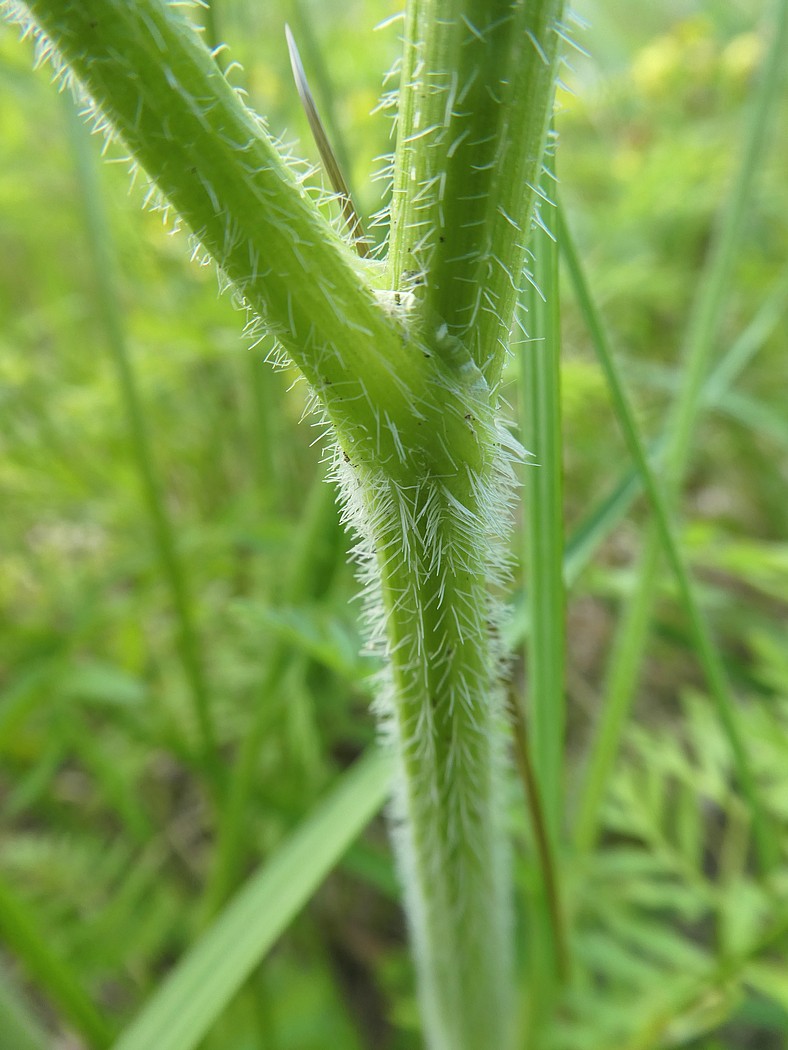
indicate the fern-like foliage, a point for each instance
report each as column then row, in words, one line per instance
column 672, row 929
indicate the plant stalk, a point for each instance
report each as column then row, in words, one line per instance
column 463, row 193
column 408, row 379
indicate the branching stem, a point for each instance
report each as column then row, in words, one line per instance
column 408, row 379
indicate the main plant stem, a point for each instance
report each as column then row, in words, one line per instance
column 430, row 553
column 408, row 378
column 474, row 105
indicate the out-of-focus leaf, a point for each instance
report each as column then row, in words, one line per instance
column 186, row 1005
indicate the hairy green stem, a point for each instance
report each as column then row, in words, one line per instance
column 155, row 84
column 407, row 377
column 461, row 209
column 445, row 720
column 477, row 83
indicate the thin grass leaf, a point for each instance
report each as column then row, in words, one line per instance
column 707, row 312
column 540, row 398
column 187, row 1004
column 18, row 1028
column 749, row 342
column 706, row 650
column 315, row 552
column 631, row 639
column 22, row 933
column 305, row 26
column 540, row 395
column 330, row 162
column 98, row 239
column 612, row 509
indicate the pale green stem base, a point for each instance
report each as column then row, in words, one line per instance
column 441, row 706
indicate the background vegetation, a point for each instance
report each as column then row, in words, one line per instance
column 117, row 629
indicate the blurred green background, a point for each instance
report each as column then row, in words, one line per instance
column 108, row 799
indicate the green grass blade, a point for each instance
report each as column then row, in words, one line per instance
column 704, row 322
column 757, row 416
column 706, row 651
column 580, row 549
column 23, row 936
column 328, row 157
column 540, row 385
column 317, row 547
column 18, row 1029
column 748, row 343
column 111, row 314
column 540, row 397
column 186, row 1005
column 716, row 394
column 313, row 52
column 703, row 325
column 597, row 526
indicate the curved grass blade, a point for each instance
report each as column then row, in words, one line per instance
column 327, row 155
column 541, row 748
column 706, row 651
column 174, row 571
column 187, row 1004
column 699, row 345
column 18, row 1029
column 23, row 935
